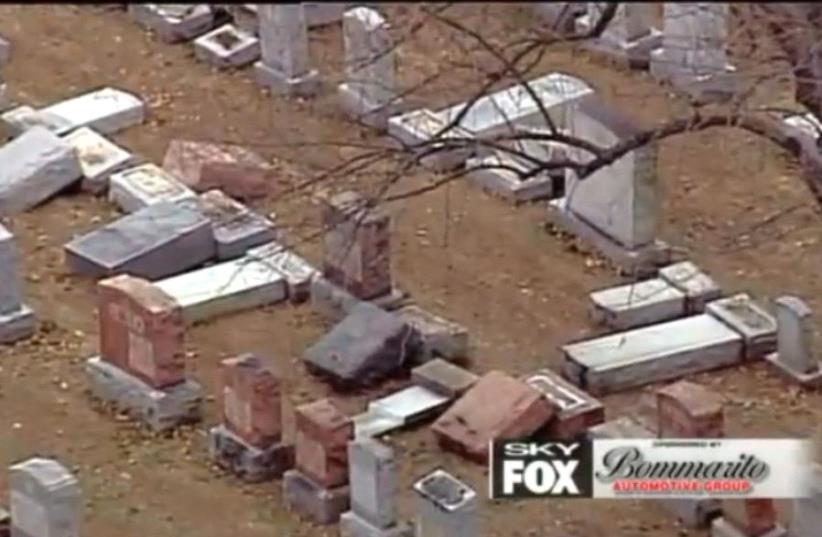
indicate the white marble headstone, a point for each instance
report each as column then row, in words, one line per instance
column 369, row 58
column 284, row 38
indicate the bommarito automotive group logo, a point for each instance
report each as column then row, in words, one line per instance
column 651, row 468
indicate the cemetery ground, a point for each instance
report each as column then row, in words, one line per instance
column 732, row 202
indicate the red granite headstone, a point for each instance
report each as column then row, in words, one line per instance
column 249, row 399
column 323, row 433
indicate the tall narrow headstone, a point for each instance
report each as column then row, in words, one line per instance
column 446, row 506
column 16, row 319
column 45, row 500
column 369, row 93
column 794, row 357
column 628, row 38
column 285, row 65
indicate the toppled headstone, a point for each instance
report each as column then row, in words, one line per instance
column 574, row 410
column 237, row 228
column 45, row 500
column 318, row 486
column 629, row 38
column 298, row 272
column 33, row 167
column 424, row 132
column 511, row 178
column 756, row 326
column 372, row 473
column 227, row 47
column 16, row 319
column 330, row 300
column 99, row 158
column 141, row 367
column 640, row 356
column 438, row 337
column 471, row 423
column 369, row 93
column 138, row 187
column 368, row 345
column 225, row 288
column 794, row 357
column 751, row 517
column 107, row 110
column 203, row 166
column 410, row 405
column 699, row 288
column 445, row 506
column 174, row 23
column 22, row 118
column 285, row 63
column 637, row 304
column 443, row 377
column 248, row 442
column 160, row 240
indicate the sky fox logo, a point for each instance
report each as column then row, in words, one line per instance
column 521, row 469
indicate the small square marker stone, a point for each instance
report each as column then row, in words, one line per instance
column 138, row 187
column 227, row 47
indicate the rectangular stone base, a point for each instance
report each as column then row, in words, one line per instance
column 17, row 325
column 248, row 462
column 722, row 528
column 169, row 27
column 642, row 261
column 372, row 114
column 693, row 513
column 806, row 380
column 306, row 85
column 304, row 496
column 227, row 47
column 353, row 525
column 160, row 409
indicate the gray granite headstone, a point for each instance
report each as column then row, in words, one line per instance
column 45, row 500
column 446, row 506
column 10, row 295
column 795, row 335
column 372, row 481
column 285, row 59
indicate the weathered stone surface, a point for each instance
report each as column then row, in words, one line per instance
column 330, row 300
column 225, row 288
column 227, row 47
column 99, row 158
column 688, row 410
column 248, row 462
column 160, row 240
column 323, row 433
column 141, row 330
column 503, row 175
column 471, row 423
column 438, row 337
column 418, row 127
column 353, row 525
column 174, row 23
column 106, row 110
column 17, row 325
column 795, row 357
column 574, row 410
column 298, row 272
column 699, row 288
column 654, row 353
column 445, row 506
column 311, row 500
column 45, row 500
column 138, row 187
column 443, row 377
column 33, row 167
column 203, row 166
column 236, row 227
column 368, row 345
column 285, row 64
column 622, row 427
column 19, row 119
column 637, row 304
column 161, row 410
column 756, row 326
column 250, row 400
column 372, row 425
column 373, row 481
column 409, row 405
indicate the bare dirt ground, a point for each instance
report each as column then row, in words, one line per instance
column 520, row 291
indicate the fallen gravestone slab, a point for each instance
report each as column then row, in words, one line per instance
column 298, row 272
column 699, row 288
column 173, row 23
column 516, row 410
column 33, row 167
column 236, row 227
column 757, row 326
column 368, row 345
column 154, row 242
column 99, row 158
column 138, row 187
column 22, row 118
column 443, row 377
column 411, row 405
column 637, row 304
column 107, row 110
column 574, row 410
column 16, row 319
column 227, row 47
column 438, row 336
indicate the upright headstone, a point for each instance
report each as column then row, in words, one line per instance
column 45, row 500
column 794, row 356
column 369, row 93
column 693, row 55
column 16, row 319
column 446, row 506
column 628, row 38
column 372, row 473
column 285, row 64
column 807, row 512
column 614, row 209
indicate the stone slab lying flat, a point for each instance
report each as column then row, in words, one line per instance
column 419, row 127
column 107, row 110
column 99, row 158
column 353, row 525
column 411, row 405
column 173, row 23
column 575, row 411
column 298, row 272
column 138, row 187
column 227, row 47
column 22, row 118
column 655, row 353
column 225, row 288
column 247, row 462
column 438, row 336
column 757, row 326
column 17, row 325
column 159, row 409
column 371, row 424
column 236, row 227
column 152, row 243
column 322, row 506
column 699, row 288
column 33, row 167
column 443, row 377
column 492, row 174
column 637, row 304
